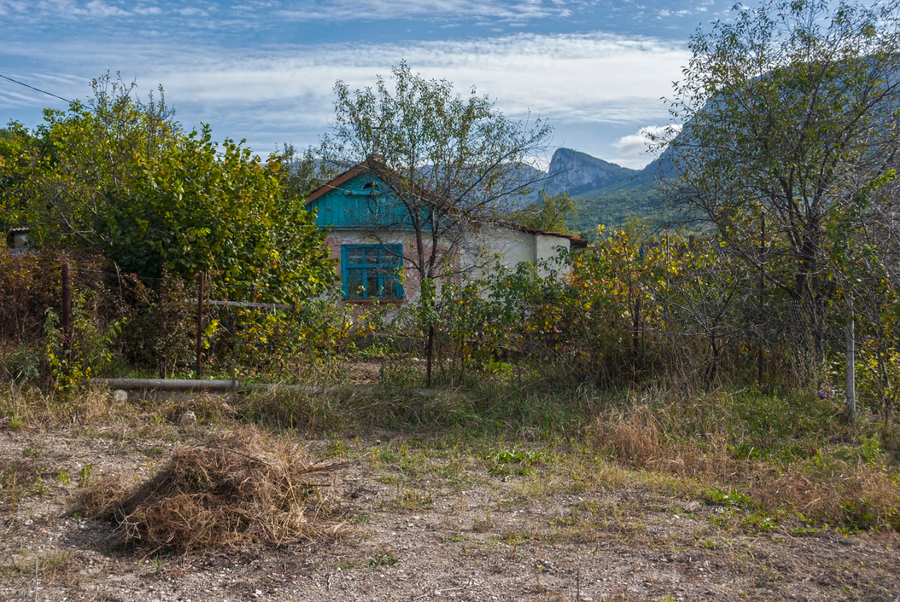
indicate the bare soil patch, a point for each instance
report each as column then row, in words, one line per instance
column 415, row 520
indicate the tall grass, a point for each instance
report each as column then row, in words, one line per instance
column 788, row 452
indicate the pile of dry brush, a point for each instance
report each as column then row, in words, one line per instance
column 240, row 488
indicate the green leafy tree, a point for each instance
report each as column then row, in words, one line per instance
column 118, row 177
column 73, row 168
column 12, row 143
column 448, row 160
column 202, row 209
column 790, row 111
column 551, row 213
column 448, row 164
column 302, row 171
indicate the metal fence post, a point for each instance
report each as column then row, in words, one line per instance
column 200, row 322
column 850, row 398
column 66, row 309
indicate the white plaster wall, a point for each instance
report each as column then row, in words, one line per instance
column 547, row 248
column 488, row 247
column 501, row 246
column 509, row 247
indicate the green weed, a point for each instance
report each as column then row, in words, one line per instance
column 84, row 475
column 384, row 559
column 717, row 496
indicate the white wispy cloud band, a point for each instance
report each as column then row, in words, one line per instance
column 647, row 138
column 293, row 10
column 284, row 93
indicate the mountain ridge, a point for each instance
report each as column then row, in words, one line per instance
column 608, row 194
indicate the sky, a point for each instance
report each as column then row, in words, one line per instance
column 264, row 70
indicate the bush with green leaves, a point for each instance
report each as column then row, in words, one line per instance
column 118, row 177
column 90, row 347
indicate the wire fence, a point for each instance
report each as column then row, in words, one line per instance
column 74, row 309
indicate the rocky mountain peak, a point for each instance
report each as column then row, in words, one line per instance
column 575, row 172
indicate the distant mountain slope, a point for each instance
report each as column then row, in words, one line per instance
column 575, row 172
column 614, row 208
column 608, row 194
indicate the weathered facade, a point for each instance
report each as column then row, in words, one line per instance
column 372, row 239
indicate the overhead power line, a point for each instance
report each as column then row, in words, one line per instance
column 35, row 89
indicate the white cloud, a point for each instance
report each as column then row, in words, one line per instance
column 7, row 7
column 192, row 11
column 590, row 77
column 98, row 8
column 590, row 80
column 646, row 138
column 308, row 11
column 665, row 13
column 340, row 10
column 46, row 11
column 147, row 10
column 284, row 93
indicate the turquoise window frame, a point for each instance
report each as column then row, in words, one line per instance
column 365, row 266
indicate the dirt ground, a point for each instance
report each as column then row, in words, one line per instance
column 454, row 532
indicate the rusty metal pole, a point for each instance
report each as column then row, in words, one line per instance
column 200, row 322
column 66, row 309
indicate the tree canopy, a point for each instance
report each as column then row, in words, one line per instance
column 449, row 160
column 119, row 177
column 551, row 213
column 790, row 113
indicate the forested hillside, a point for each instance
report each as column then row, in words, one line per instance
column 605, row 193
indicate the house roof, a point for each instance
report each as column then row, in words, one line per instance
column 371, row 163
column 336, row 182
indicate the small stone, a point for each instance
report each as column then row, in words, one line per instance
column 188, row 419
column 120, row 396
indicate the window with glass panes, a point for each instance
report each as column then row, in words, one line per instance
column 371, row 271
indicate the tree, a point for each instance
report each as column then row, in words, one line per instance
column 202, row 209
column 118, row 177
column 300, row 171
column 73, row 167
column 12, row 175
column 790, row 111
column 550, row 213
column 450, row 161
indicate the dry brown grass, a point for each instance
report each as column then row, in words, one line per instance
column 852, row 492
column 858, row 496
column 638, row 441
column 30, row 407
column 240, row 488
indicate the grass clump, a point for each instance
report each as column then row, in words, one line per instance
column 780, row 450
column 241, row 488
column 855, row 496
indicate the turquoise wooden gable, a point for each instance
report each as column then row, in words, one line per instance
column 359, row 203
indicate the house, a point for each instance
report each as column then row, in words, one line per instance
column 17, row 240
column 373, row 238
